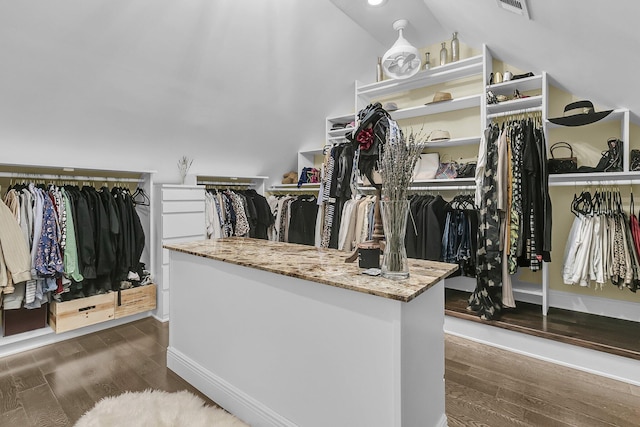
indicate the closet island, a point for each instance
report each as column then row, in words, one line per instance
column 284, row 334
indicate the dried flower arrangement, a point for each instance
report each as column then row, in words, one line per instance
column 184, row 164
column 397, row 163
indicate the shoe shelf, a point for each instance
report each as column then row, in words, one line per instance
column 530, row 103
column 523, row 85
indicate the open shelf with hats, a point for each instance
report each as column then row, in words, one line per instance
column 438, row 107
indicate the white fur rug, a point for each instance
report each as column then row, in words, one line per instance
column 155, row 408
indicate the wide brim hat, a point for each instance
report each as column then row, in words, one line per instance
column 580, row 113
column 390, row 106
column 439, row 135
column 440, row 97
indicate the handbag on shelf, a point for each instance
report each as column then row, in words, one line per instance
column 634, row 163
column 426, row 166
column 447, row 170
column 562, row 164
column 467, row 170
column 611, row 160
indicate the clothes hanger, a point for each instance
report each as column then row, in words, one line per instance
column 140, row 193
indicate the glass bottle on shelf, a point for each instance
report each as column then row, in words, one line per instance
column 379, row 74
column 443, row 53
column 455, row 47
column 427, row 60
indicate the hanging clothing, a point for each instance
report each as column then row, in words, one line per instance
column 601, row 247
column 486, row 300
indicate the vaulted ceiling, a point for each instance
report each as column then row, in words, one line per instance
column 242, row 86
column 589, row 47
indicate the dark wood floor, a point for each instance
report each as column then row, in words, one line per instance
column 615, row 336
column 56, row 384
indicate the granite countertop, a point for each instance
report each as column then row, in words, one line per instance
column 317, row 265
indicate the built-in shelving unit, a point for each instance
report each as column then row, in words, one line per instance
column 70, row 174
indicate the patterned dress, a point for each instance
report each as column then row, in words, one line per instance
column 486, row 300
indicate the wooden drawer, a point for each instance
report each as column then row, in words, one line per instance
column 135, row 300
column 77, row 313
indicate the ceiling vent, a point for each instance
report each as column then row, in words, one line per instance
column 519, row 7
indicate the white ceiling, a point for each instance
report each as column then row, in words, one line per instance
column 588, row 46
column 242, row 86
column 423, row 26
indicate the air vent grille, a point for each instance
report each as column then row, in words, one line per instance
column 519, row 7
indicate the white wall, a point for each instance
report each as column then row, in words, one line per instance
column 239, row 85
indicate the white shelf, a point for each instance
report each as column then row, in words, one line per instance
column 617, row 114
column 619, row 178
column 444, row 183
column 523, row 85
column 514, row 104
column 340, row 132
column 456, row 70
column 455, row 142
column 231, row 178
column 347, row 118
column 294, row 188
column 311, row 152
column 438, row 107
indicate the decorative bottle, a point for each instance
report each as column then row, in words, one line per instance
column 379, row 75
column 455, row 47
column 443, row 53
column 427, row 60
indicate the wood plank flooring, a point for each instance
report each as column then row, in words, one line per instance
column 56, row 384
column 614, row 336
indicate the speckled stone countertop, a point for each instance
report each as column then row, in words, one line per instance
column 317, row 265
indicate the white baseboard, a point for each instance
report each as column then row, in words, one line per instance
column 617, row 309
column 584, row 359
column 163, row 319
column 226, row 395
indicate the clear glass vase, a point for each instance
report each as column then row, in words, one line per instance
column 394, row 258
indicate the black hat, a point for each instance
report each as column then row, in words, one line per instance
column 581, row 113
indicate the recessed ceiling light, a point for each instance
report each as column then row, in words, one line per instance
column 376, row 2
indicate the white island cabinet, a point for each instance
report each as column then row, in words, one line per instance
column 282, row 334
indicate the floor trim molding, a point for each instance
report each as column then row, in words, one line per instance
column 618, row 309
column 596, row 362
column 220, row 391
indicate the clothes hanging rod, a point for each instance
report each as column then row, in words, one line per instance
column 35, row 176
column 443, row 188
column 309, row 190
column 228, row 183
column 514, row 112
column 595, row 183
